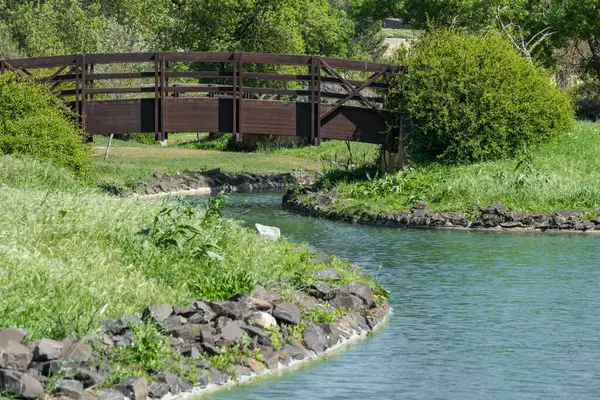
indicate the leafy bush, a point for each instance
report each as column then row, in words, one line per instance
column 473, row 97
column 587, row 100
column 32, row 122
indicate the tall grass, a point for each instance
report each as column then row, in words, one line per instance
column 564, row 174
column 71, row 257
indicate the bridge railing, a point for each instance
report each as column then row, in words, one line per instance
column 327, row 84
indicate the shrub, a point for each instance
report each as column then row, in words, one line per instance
column 33, row 122
column 472, row 97
column 586, row 97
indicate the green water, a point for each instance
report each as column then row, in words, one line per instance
column 477, row 315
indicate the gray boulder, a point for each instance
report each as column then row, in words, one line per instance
column 47, row 349
column 346, row 300
column 230, row 309
column 268, row 232
column 71, row 389
column 118, row 326
column 321, row 291
column 287, row 312
column 158, row 312
column 315, row 339
column 88, row 377
column 231, row 332
column 261, row 319
column 296, row 350
column 20, row 384
column 135, row 388
column 362, row 290
column 260, row 292
column 15, row 356
column 109, row 394
column 256, row 333
column 174, row 383
column 217, row 377
column 157, row 390
column 14, row 334
column 328, row 274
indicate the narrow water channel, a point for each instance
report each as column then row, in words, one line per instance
column 477, row 315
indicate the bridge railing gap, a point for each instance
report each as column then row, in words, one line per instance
column 314, row 97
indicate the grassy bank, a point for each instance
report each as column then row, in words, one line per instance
column 129, row 161
column 563, row 174
column 72, row 256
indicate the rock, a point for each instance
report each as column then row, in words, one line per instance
column 197, row 318
column 14, row 334
column 268, row 232
column 261, row 293
column 230, row 309
column 87, row 377
column 217, row 377
column 202, row 379
column 158, row 312
column 231, row 332
column 15, row 356
column 172, row 323
column 261, row 320
column 315, row 339
column 211, row 349
column 328, row 274
column 362, row 290
column 351, row 323
column 157, row 390
column 346, row 300
column 195, row 351
column 319, row 258
column 20, row 384
column 287, row 312
column 509, row 225
column 135, row 388
column 118, row 326
column 192, row 332
column 241, row 370
column 255, row 366
column 69, row 388
column 108, row 394
column 174, row 383
column 421, row 205
column 259, row 304
column 47, row 349
column 332, row 334
column 89, row 395
column 76, row 352
column 200, row 307
column 261, row 337
column 305, row 301
column 321, row 291
column 296, row 350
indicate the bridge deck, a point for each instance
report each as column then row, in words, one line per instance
column 240, row 93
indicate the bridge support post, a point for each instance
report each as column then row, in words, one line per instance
column 392, row 156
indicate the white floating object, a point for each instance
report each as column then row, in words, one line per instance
column 269, row 232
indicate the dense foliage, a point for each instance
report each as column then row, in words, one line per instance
column 32, row 122
column 472, row 97
column 586, row 97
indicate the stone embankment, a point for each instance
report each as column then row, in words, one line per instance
column 495, row 217
column 216, row 181
column 261, row 332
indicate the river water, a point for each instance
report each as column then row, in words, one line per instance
column 477, row 315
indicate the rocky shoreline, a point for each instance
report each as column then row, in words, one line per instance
column 497, row 217
column 159, row 184
column 212, row 345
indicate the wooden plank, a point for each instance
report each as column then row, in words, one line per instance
column 241, row 98
column 198, row 114
column 42, row 62
column 199, row 89
column 200, row 74
column 118, row 58
column 121, row 75
column 277, row 59
column 120, row 116
column 317, row 139
column 234, row 98
column 198, row 56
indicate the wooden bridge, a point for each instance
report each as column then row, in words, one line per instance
column 240, row 93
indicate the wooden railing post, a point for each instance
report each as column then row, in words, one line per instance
column 156, row 98
column 163, row 134
column 77, row 86
column 234, row 98
column 316, row 139
column 83, row 89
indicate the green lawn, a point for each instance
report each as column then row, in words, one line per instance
column 564, row 174
column 129, row 161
